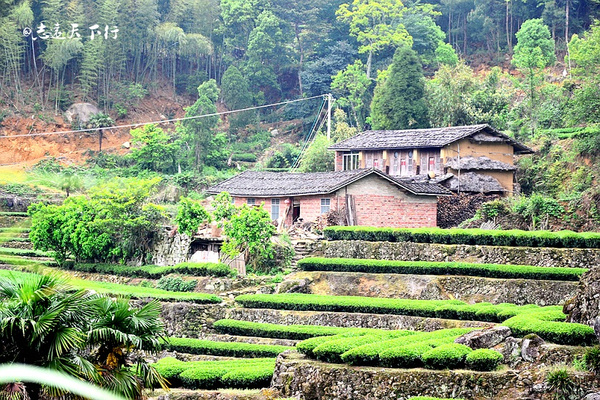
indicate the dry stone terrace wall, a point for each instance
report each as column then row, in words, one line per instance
column 543, row 257
column 433, row 287
column 310, row 380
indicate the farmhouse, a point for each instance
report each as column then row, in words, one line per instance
column 476, row 158
column 367, row 196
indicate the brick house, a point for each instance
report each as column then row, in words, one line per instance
column 476, row 158
column 368, row 196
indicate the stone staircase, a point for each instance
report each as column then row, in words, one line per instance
column 303, row 248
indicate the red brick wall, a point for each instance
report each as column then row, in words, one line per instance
column 391, row 211
column 339, row 161
column 239, row 201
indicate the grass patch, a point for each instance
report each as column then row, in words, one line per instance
column 154, row 271
column 9, row 251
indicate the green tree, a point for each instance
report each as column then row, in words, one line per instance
column 351, row 86
column 534, row 51
column 375, row 25
column 114, row 223
column 236, row 95
column 190, row 215
column 153, row 149
column 45, row 322
column 100, row 120
column 223, row 207
column 197, row 133
column 398, row 101
column 249, row 232
column 445, row 55
column 317, row 158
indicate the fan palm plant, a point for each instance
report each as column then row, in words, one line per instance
column 45, row 322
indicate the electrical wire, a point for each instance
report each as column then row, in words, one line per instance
column 164, row 120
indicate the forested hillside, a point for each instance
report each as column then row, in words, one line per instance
column 528, row 68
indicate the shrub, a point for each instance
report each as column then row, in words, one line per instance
column 294, row 332
column 430, row 398
column 245, row 157
column 440, row 268
column 227, row 349
column 384, row 351
column 560, row 383
column 466, row 236
column 175, row 284
column 331, row 350
column 154, row 271
column 243, row 373
column 542, row 324
column 447, row 356
column 592, row 359
column 405, row 356
column 483, row 360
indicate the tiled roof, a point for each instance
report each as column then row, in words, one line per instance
column 474, row 183
column 421, row 138
column 478, row 163
column 280, row 184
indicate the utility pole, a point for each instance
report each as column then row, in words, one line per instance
column 329, row 116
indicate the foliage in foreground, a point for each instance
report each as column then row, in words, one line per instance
column 45, row 322
column 242, row 373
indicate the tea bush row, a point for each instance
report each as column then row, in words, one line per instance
column 227, row 349
column 566, row 239
column 293, row 332
column 154, row 271
column 242, row 373
column 441, row 268
column 447, row 309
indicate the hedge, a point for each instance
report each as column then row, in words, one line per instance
column 430, row 398
column 311, row 302
column 244, row 373
column 154, row 271
column 448, row 356
column 567, row 239
column 369, row 354
column 23, row 252
column 483, row 360
column 227, row 349
column 544, row 324
column 294, row 332
column 332, row 349
column 441, row 268
column 447, row 309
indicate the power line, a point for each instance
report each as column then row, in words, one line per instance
column 164, row 120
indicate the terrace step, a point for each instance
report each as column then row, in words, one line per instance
column 16, row 244
column 13, row 219
column 348, row 320
column 470, row 289
column 224, row 394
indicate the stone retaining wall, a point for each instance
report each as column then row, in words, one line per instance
column 189, row 319
column 542, row 256
column 433, row 287
column 311, row 380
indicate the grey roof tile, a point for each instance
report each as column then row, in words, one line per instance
column 421, row 138
column 282, row 184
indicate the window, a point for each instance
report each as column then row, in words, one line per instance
column 410, row 161
column 274, row 209
column 251, row 201
column 395, row 165
column 350, row 161
column 369, row 160
column 325, row 205
column 403, row 168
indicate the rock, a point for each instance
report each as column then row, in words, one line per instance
column 511, row 351
column 486, row 338
column 584, row 307
column 530, row 348
column 294, row 286
column 126, row 145
column 592, row 396
column 81, row 112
